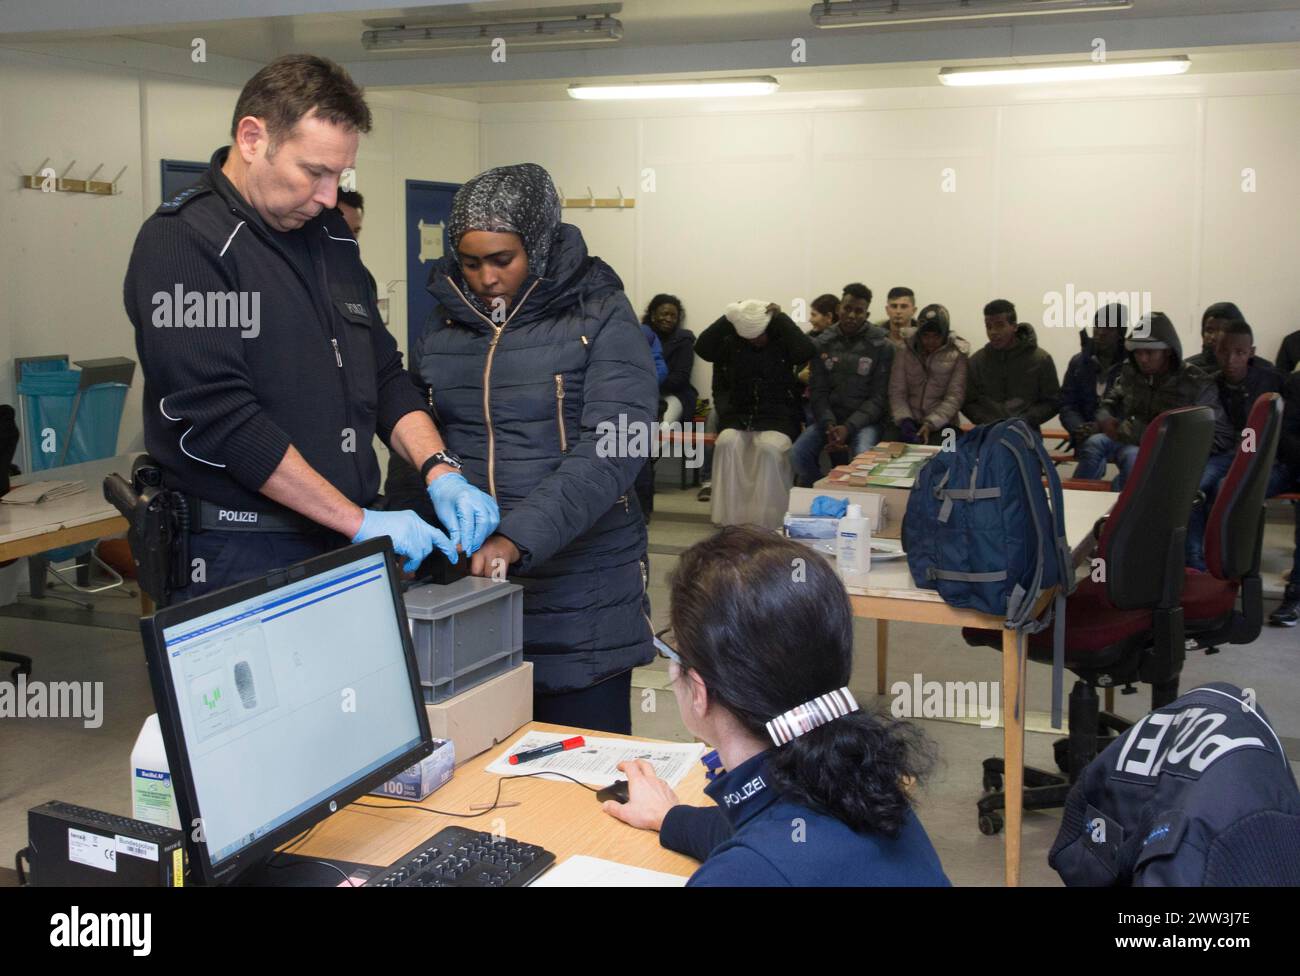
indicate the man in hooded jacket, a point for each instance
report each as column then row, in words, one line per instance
column 1154, row 379
column 1093, row 371
column 927, row 382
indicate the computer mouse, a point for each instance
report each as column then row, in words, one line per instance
column 616, row 790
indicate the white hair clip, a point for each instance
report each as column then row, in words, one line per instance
column 808, row 716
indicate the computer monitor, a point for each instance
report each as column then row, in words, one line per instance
column 282, row 699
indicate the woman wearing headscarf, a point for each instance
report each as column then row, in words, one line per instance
column 533, row 354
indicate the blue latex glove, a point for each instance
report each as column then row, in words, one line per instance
column 828, row 506
column 470, row 515
column 909, row 430
column 412, row 536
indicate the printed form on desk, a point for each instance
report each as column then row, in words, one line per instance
column 581, row 871
column 596, row 763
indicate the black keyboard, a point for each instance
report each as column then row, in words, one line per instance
column 457, row 857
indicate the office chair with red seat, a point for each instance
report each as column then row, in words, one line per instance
column 1225, row 604
column 1124, row 623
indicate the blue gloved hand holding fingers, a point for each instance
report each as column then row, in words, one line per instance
column 470, row 515
column 413, row 537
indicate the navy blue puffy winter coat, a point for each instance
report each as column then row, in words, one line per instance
column 522, row 404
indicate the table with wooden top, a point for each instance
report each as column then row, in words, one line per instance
column 892, row 595
column 559, row 815
column 26, row 530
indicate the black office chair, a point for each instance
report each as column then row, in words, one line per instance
column 1128, row 626
column 8, row 445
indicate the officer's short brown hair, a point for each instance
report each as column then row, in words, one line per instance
column 291, row 86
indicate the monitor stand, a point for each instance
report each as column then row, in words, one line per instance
column 300, row 871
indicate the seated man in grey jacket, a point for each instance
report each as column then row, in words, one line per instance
column 849, row 387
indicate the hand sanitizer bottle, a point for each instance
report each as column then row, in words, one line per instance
column 853, row 547
column 152, row 797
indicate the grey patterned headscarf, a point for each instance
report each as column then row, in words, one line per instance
column 519, row 199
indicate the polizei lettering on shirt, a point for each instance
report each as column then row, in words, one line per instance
column 755, row 785
column 225, row 515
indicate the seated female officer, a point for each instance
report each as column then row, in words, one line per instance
column 817, row 791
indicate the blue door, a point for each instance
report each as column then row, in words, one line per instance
column 428, row 205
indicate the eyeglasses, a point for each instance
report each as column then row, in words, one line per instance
column 667, row 651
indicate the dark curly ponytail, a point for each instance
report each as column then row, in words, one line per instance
column 766, row 623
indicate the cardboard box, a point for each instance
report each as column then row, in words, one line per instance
column 890, row 503
column 487, row 714
column 418, row 781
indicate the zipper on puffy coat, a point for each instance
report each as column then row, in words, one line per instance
column 559, row 412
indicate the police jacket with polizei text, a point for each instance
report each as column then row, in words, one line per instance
column 319, row 371
column 757, row 837
column 1198, row 792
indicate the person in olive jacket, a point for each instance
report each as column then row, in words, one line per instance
column 849, row 387
column 755, row 351
column 928, row 381
column 1011, row 376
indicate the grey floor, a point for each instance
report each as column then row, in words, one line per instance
column 43, row 759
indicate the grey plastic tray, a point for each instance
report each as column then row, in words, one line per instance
column 465, row 633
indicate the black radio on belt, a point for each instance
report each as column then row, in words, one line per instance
column 71, row 845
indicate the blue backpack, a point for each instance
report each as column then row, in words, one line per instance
column 981, row 529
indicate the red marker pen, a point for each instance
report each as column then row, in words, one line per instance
column 577, row 742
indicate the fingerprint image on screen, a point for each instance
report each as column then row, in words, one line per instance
column 231, row 681
column 244, row 684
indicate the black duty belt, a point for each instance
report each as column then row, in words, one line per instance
column 207, row 517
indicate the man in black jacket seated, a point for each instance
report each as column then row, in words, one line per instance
column 1240, row 381
column 849, row 387
column 1092, row 372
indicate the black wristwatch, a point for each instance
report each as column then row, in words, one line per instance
column 441, row 457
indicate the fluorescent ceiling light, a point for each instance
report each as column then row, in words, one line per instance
column 885, row 13
column 578, row 30
column 1028, row 74
column 722, row 88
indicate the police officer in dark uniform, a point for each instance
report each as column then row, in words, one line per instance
column 267, row 369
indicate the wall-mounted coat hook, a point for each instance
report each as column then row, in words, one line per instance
column 592, row 202
column 44, row 179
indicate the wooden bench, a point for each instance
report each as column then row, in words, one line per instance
column 683, row 437
column 1062, row 437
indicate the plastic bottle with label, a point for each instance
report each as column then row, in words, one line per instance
column 853, row 547
column 152, row 797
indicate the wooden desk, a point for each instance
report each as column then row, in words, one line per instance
column 893, row 596
column 561, row 816
column 26, row 530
